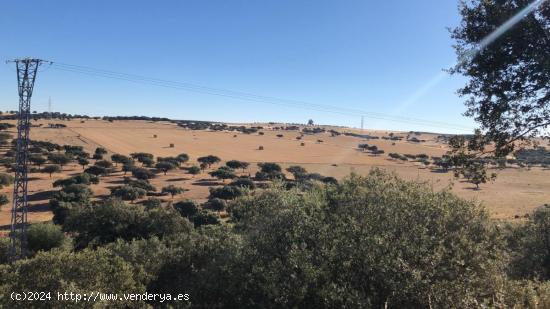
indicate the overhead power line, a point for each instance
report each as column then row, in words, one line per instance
column 250, row 97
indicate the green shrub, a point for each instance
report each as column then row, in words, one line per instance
column 44, row 237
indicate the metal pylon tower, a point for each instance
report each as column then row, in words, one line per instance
column 26, row 75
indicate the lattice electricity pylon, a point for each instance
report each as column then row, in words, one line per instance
column 26, row 74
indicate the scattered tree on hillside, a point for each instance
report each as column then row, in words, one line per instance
column 118, row 158
column 50, row 169
column 172, row 190
column 128, row 193
column 37, row 159
column 223, row 173
column 83, row 162
column 142, row 173
column 194, row 170
column 209, row 160
column 96, row 170
column 59, row 159
column 6, row 180
column 235, row 164
column 183, row 158
column 100, row 151
column 3, row 200
column 165, row 166
column 104, row 163
column 297, row 171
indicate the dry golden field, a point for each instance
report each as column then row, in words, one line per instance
column 515, row 192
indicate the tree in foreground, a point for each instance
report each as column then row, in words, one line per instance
column 44, row 237
column 59, row 270
column 508, row 88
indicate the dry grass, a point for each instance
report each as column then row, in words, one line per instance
column 515, row 192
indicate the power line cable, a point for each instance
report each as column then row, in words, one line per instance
column 249, row 96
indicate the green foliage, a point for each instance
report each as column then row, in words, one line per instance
column 142, row 173
column 209, row 160
column 96, row 170
column 6, row 180
column 3, row 200
column 204, row 217
column 4, row 251
column 194, row 170
column 37, row 159
column 113, row 219
column 225, row 192
column 118, row 158
column 4, row 126
column 84, row 178
column 243, row 182
column 215, row 204
column 223, row 173
column 508, row 82
column 50, row 169
column 143, row 184
column 152, row 202
column 69, row 197
column 322, row 247
column 59, row 158
column 104, row 163
column 165, row 166
column 269, row 171
column 172, row 190
column 236, row 164
column 44, row 237
column 187, row 208
column 83, row 162
column 80, row 272
column 128, row 193
column 530, row 246
column 297, row 171
column 100, row 151
column 183, row 157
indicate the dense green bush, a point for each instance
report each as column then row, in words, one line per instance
column 44, row 237
column 530, row 246
column 108, row 221
column 368, row 241
column 80, row 272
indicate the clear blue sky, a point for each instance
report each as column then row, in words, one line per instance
column 369, row 55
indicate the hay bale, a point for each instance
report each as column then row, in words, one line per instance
column 154, row 136
column 261, row 148
column 171, row 145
